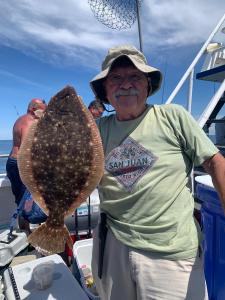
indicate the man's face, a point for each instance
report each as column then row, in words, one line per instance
column 39, row 108
column 127, row 91
column 42, row 105
column 96, row 112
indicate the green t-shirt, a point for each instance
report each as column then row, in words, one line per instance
column 144, row 189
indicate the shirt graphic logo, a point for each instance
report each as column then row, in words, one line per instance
column 129, row 162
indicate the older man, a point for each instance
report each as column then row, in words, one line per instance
column 152, row 240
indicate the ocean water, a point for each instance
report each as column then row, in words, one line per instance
column 5, row 148
column 6, row 145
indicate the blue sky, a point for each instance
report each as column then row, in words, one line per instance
column 45, row 45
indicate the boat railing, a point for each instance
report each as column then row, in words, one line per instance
column 190, row 74
column 2, row 156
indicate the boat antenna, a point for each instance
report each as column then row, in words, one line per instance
column 16, row 110
column 118, row 14
column 164, row 81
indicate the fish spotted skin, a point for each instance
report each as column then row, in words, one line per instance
column 61, row 161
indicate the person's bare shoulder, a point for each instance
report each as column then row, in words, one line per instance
column 21, row 127
column 24, row 120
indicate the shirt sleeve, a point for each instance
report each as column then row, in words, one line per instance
column 193, row 140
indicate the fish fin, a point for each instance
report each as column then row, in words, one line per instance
column 25, row 167
column 48, row 240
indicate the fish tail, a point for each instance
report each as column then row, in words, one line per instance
column 48, row 240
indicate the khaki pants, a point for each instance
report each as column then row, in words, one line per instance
column 131, row 274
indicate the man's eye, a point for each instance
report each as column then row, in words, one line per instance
column 135, row 77
column 115, row 78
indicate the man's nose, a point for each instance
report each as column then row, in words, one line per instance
column 126, row 83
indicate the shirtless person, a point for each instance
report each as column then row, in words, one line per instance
column 20, row 128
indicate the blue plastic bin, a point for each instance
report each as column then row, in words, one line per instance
column 213, row 220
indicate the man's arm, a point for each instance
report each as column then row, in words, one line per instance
column 215, row 166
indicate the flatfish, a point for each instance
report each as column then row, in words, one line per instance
column 61, row 162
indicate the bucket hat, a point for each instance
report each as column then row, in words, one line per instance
column 139, row 61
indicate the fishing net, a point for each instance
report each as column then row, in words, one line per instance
column 116, row 14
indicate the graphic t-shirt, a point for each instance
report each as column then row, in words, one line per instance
column 144, row 189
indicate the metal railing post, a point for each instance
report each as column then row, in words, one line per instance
column 209, row 108
column 183, row 79
column 190, row 91
column 139, row 26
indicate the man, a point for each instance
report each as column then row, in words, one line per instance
column 20, row 129
column 96, row 108
column 152, row 242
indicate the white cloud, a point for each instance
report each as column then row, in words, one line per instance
column 20, row 79
column 66, row 30
column 180, row 23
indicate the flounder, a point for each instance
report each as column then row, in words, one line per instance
column 61, row 162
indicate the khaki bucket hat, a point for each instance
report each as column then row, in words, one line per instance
column 139, row 61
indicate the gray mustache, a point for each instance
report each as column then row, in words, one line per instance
column 130, row 92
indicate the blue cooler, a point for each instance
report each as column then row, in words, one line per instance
column 213, row 220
